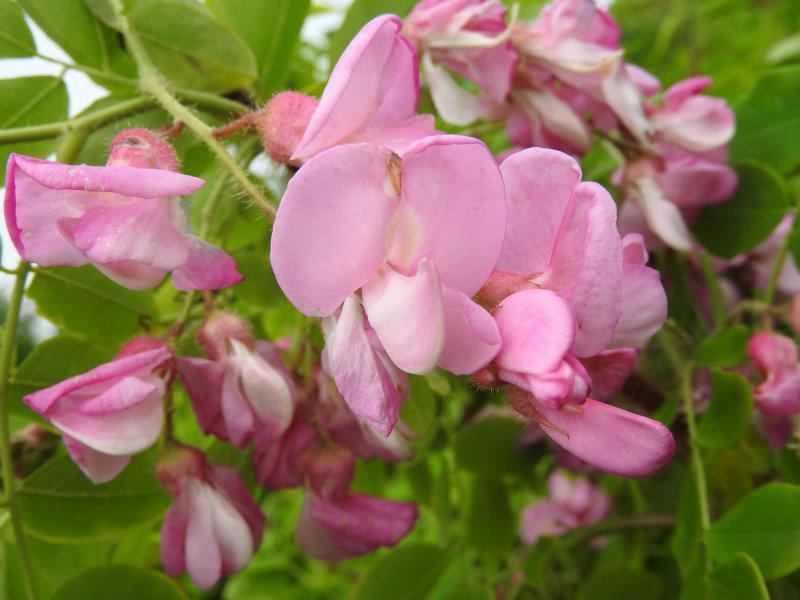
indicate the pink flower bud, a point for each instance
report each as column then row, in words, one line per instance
column 143, row 149
column 216, row 331
column 329, row 471
column 214, row 526
column 776, row 357
column 282, row 123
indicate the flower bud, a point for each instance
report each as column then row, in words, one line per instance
column 176, row 463
column 487, row 377
column 143, row 149
column 142, row 343
column 217, row 329
column 282, row 123
column 329, row 471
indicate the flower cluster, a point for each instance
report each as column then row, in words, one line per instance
column 414, row 250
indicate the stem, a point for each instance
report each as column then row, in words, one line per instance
column 9, row 484
column 151, row 82
column 714, row 289
column 89, row 122
column 640, row 521
column 772, row 286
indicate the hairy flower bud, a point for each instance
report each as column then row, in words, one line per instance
column 282, row 123
column 218, row 328
column 143, row 149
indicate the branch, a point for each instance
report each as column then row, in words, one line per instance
column 9, row 484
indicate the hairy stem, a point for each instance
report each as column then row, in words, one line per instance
column 151, row 82
column 9, row 484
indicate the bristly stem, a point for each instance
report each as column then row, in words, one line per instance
column 151, row 82
column 9, row 484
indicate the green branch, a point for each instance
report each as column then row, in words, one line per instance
column 9, row 483
column 780, row 259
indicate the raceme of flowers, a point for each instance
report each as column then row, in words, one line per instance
column 414, row 250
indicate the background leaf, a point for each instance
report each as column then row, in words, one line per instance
column 738, row 225
column 726, row 348
column 271, row 29
column 59, row 503
column 191, row 48
column 16, row 40
column 737, row 579
column 766, row 526
column 359, row 13
column 729, row 415
column 88, row 304
column 405, row 573
column 489, row 446
column 121, row 582
column 30, row 101
column 490, row 526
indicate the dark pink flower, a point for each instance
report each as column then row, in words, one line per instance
column 776, row 358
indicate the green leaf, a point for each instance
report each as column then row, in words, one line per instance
column 30, row 101
column 737, row 579
column 120, row 582
column 71, row 25
column 16, row 40
column 617, row 582
column 48, row 363
column 191, row 48
column 767, row 121
column 259, row 287
column 738, row 225
column 359, row 13
column 271, row 29
column 764, row 525
column 729, row 415
column 685, row 540
column 88, row 304
column 727, row 348
column 489, row 446
column 60, row 504
column 489, row 523
column 406, row 573
column 104, row 10
column 419, row 411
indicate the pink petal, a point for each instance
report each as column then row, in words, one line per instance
column 683, row 90
column 455, row 190
column 44, row 400
column 643, row 307
column 374, row 83
column 611, row 439
column 334, row 531
column 229, row 481
column 472, row 336
column 453, row 103
column 360, row 375
column 329, row 240
column 206, row 268
column 609, row 370
column 662, row 216
column 124, row 419
column 139, row 231
column 398, row 136
column 772, row 351
column 97, row 466
column 40, row 192
column 173, row 537
column 536, row 331
column 278, row 464
column 624, row 97
column 203, row 382
column 543, row 518
column 203, row 555
column 408, row 317
column 539, row 184
column 586, row 267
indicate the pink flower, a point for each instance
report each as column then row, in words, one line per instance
column 371, row 95
column 775, row 356
column 573, row 502
column 573, row 303
column 691, row 120
column 390, row 257
column 214, row 526
column 579, row 44
column 335, row 530
column 124, row 218
column 111, row 412
column 468, row 38
column 760, row 261
column 244, row 389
